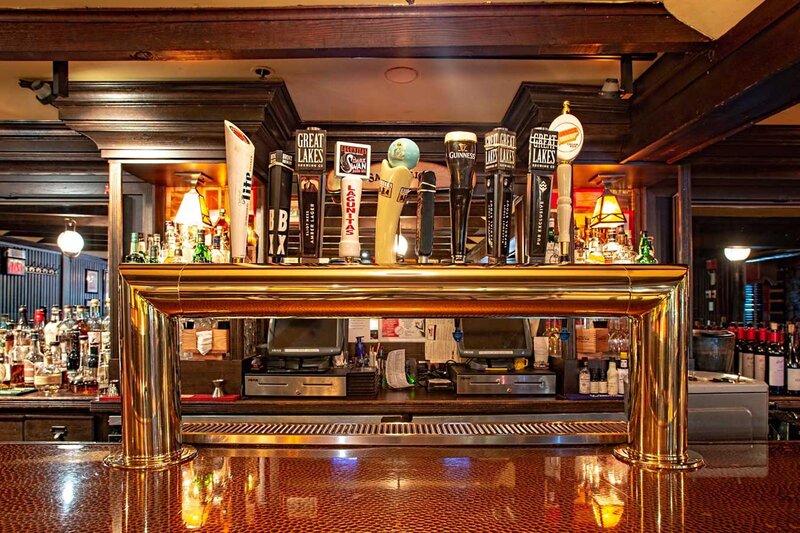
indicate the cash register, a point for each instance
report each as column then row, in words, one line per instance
column 489, row 346
column 297, row 360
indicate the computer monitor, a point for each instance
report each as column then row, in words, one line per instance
column 495, row 338
column 305, row 337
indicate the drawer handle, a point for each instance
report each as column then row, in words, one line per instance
column 59, row 432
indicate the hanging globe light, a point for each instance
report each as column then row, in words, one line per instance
column 70, row 241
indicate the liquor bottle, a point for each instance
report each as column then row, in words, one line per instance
column 142, row 248
column 761, row 354
column 224, row 245
column 94, row 323
column 776, row 364
column 51, row 329
column 58, row 361
column 65, row 331
column 611, row 249
column 74, row 359
column 133, row 256
column 738, row 348
column 22, row 327
column 646, row 256
column 612, row 378
column 81, row 320
column 594, row 383
column 38, row 322
column 622, row 372
column 216, row 253
column 222, row 227
column 792, row 362
column 188, row 237
column 170, row 240
column 551, row 257
column 252, row 241
column 17, row 362
column 89, row 383
column 602, row 382
column 47, row 376
column 154, row 248
column 747, row 365
column 105, row 330
column 201, row 252
column 584, row 379
column 33, row 360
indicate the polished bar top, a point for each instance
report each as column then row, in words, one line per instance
column 50, row 487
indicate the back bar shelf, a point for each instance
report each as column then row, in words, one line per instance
column 153, row 297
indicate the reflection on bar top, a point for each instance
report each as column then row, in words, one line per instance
column 400, row 489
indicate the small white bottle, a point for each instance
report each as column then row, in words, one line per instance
column 584, row 379
column 613, row 379
column 622, row 372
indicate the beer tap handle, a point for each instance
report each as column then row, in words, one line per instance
column 564, row 209
column 426, row 197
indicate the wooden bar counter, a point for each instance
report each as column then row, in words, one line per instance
column 48, row 487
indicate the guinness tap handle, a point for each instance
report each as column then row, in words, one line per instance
column 426, row 197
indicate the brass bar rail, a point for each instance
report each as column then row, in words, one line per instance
column 154, row 296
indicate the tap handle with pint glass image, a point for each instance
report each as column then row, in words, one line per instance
column 352, row 167
column 460, row 151
column 396, row 181
column 542, row 147
column 426, row 200
column 500, row 146
column 570, row 142
column 309, row 165
column 279, row 203
column 239, row 153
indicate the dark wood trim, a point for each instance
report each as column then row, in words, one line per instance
column 486, row 31
column 757, row 145
column 687, row 102
column 179, row 120
column 37, row 141
column 605, row 121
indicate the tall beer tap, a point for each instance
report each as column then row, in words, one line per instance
column 570, row 142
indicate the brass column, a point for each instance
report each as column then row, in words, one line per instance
column 149, row 375
column 658, row 422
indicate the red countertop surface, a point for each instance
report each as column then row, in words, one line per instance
column 50, row 487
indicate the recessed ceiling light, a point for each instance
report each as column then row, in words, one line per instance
column 401, row 75
column 263, row 72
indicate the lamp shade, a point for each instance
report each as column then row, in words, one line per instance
column 70, row 241
column 607, row 212
column 737, row 253
column 193, row 210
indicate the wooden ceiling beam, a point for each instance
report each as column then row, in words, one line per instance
column 482, row 31
column 686, row 102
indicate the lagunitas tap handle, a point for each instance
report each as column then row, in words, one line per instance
column 279, row 204
column 396, row 181
column 426, row 198
column 500, row 146
column 570, row 142
column 309, row 165
column 239, row 153
column 352, row 166
column 460, row 149
column 542, row 148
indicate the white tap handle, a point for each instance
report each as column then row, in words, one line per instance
column 350, row 246
column 564, row 206
column 239, row 156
